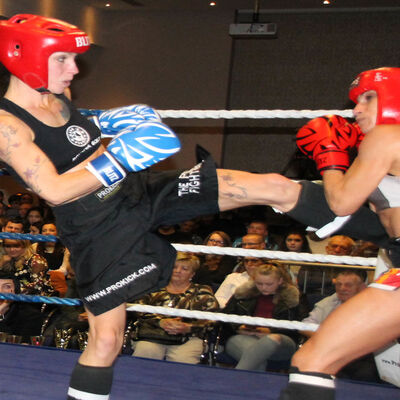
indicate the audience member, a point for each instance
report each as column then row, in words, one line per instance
column 55, row 253
column 28, row 267
column 175, row 339
column 259, row 227
column 35, row 228
column 348, row 283
column 236, row 279
column 250, row 241
column 317, row 282
column 171, row 233
column 214, row 267
column 23, row 210
column 18, row 318
column 295, row 241
column 14, row 225
column 34, row 214
column 269, row 295
column 14, row 202
column 189, row 228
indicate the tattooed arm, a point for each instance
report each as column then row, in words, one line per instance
column 35, row 168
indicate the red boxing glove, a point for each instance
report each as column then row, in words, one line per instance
column 327, row 140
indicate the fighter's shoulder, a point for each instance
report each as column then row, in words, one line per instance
column 12, row 127
column 384, row 133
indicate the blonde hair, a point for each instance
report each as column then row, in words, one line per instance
column 274, row 269
column 188, row 259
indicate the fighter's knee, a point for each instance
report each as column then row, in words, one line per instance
column 107, row 342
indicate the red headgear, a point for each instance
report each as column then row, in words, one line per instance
column 27, row 41
column 386, row 83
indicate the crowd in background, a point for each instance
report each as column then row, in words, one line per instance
column 207, row 282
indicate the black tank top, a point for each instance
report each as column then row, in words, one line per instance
column 67, row 145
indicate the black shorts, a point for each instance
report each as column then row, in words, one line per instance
column 313, row 210
column 114, row 253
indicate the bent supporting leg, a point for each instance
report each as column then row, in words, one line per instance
column 92, row 376
column 361, row 325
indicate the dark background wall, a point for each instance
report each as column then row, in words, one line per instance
column 310, row 65
column 185, row 59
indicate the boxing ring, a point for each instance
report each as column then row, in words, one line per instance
column 38, row 372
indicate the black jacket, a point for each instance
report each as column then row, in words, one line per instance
column 22, row 319
column 244, row 301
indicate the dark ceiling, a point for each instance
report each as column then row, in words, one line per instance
column 237, row 4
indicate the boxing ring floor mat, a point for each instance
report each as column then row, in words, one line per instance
column 41, row 373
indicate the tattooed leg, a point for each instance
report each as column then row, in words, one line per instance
column 239, row 189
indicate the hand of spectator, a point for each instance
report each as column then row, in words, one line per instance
column 83, row 316
column 247, row 330
column 174, row 326
column 261, row 331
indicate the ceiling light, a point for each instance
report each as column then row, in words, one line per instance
column 212, row 3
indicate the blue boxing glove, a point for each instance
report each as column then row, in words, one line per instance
column 134, row 150
column 112, row 121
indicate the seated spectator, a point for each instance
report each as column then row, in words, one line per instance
column 34, row 215
column 267, row 296
column 14, row 225
column 348, row 283
column 214, row 267
column 259, row 227
column 14, row 201
column 175, row 339
column 236, row 279
column 295, row 241
column 251, row 241
column 23, row 210
column 189, row 228
column 317, row 282
column 55, row 253
column 172, row 235
column 18, row 318
column 35, row 228
column 28, row 267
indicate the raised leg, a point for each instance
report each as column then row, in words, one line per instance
column 239, row 189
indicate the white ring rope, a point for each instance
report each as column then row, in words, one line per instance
column 240, row 319
column 278, row 255
column 253, row 114
column 213, row 316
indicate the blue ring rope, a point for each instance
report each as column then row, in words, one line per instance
column 40, row 299
column 28, row 236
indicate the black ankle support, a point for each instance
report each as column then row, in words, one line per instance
column 308, row 386
column 90, row 380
